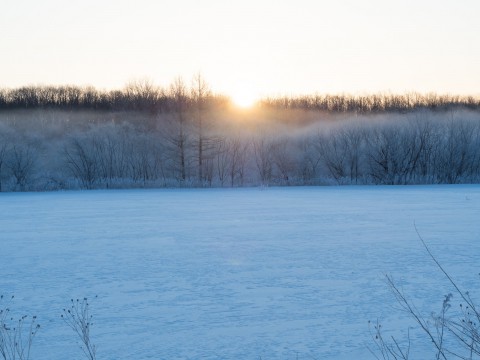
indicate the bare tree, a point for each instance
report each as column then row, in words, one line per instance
column 145, row 158
column 237, row 155
column 142, row 94
column 201, row 94
column 176, row 135
column 353, row 139
column 262, row 149
column 342, row 150
column 222, row 162
column 283, row 158
column 459, row 155
column 332, row 153
column 427, row 141
column 3, row 155
column 393, row 153
column 309, row 159
column 21, row 163
column 110, row 154
column 81, row 160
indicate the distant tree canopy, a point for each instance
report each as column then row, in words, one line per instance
column 374, row 103
column 145, row 96
column 135, row 96
column 69, row 137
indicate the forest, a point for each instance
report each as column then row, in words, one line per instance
column 184, row 135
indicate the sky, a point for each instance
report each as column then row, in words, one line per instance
column 245, row 48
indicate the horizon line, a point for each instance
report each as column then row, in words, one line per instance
column 278, row 94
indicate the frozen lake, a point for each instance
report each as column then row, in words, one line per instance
column 277, row 273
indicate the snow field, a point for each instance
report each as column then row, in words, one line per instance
column 234, row 273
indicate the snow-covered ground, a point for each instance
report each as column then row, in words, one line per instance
column 275, row 273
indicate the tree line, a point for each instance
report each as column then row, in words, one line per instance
column 185, row 135
column 193, row 147
column 374, row 103
column 138, row 95
column 143, row 95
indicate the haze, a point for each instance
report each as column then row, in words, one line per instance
column 259, row 48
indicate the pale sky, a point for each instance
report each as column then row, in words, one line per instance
column 259, row 47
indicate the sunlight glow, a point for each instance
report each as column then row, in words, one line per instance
column 244, row 99
column 349, row 51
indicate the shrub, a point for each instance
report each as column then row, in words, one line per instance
column 442, row 330
column 16, row 336
column 78, row 317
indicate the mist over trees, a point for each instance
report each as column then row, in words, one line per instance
column 184, row 135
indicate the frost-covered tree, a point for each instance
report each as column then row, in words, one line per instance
column 21, row 161
column 263, row 158
column 81, row 160
column 176, row 133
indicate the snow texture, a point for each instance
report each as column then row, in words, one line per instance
column 276, row 273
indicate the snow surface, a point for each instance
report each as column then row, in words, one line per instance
column 277, row 273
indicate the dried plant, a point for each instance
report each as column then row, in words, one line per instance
column 16, row 336
column 79, row 319
column 463, row 326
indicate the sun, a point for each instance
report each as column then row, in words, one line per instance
column 244, row 99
